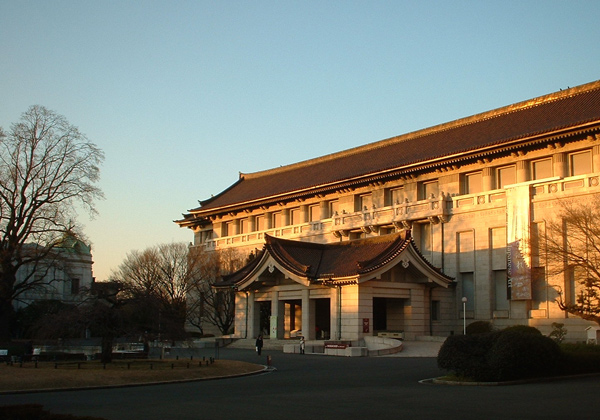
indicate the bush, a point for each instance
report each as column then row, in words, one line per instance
column 466, row 355
column 36, row 412
column 523, row 329
column 480, row 327
column 513, row 353
column 518, row 354
column 581, row 358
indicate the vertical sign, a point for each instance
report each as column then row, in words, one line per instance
column 518, row 259
column 366, row 328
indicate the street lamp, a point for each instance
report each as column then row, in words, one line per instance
column 464, row 301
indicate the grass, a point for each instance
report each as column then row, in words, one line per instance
column 64, row 375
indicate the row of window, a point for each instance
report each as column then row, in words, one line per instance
column 579, row 163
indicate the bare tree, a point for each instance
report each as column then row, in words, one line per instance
column 160, row 278
column 572, row 243
column 205, row 303
column 47, row 169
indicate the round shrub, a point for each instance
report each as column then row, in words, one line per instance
column 523, row 329
column 479, row 327
column 519, row 353
column 466, row 355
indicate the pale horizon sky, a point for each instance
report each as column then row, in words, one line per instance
column 183, row 95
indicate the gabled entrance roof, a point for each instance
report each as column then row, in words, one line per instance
column 336, row 263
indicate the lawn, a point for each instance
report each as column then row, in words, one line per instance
column 64, row 375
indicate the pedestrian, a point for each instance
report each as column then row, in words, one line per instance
column 302, row 344
column 259, row 344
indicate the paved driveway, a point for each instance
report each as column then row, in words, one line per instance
column 321, row 387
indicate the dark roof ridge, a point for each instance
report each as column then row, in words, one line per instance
column 438, row 128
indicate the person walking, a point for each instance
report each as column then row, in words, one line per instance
column 302, row 344
column 259, row 344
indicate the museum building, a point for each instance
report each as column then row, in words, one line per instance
column 411, row 236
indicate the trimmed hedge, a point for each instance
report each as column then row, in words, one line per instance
column 36, row 412
column 520, row 354
column 479, row 327
column 581, row 358
column 513, row 353
column 466, row 355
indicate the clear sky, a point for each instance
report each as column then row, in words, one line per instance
column 183, row 95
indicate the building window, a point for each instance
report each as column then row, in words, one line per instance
column 244, row 226
column 435, row 310
column 277, row 219
column 394, row 196
column 424, row 237
column 75, row 286
column 468, row 290
column 541, row 169
column 580, row 163
column 506, row 176
column 333, row 207
column 314, row 213
column 364, row 202
column 260, row 223
column 473, row 183
column 428, row 189
column 295, row 216
column 539, row 291
column 228, row 229
column 501, row 302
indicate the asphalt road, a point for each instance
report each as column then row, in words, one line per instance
column 324, row 387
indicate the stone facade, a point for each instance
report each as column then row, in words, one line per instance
column 455, row 200
column 67, row 273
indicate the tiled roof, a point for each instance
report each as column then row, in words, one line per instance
column 547, row 115
column 317, row 261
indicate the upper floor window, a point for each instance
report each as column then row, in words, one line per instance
column 228, row 229
column 314, row 213
column 333, row 207
column 473, row 183
column 260, row 223
column 295, row 216
column 75, row 285
column 541, row 169
column 364, row 202
column 395, row 196
column 277, row 219
column 580, row 163
column 245, row 225
column 428, row 189
column 506, row 175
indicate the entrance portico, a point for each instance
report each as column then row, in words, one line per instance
column 341, row 291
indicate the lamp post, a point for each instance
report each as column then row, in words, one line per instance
column 464, row 301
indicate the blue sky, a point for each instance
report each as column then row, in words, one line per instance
column 183, row 95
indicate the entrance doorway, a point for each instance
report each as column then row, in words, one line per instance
column 264, row 308
column 323, row 319
column 388, row 314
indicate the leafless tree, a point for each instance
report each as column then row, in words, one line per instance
column 572, row 242
column 48, row 169
column 160, row 278
column 206, row 304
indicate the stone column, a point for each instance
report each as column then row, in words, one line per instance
column 596, row 158
column 487, row 179
column 306, row 316
column 253, row 316
column 559, row 165
column 522, row 172
column 277, row 316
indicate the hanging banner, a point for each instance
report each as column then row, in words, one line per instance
column 518, row 259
